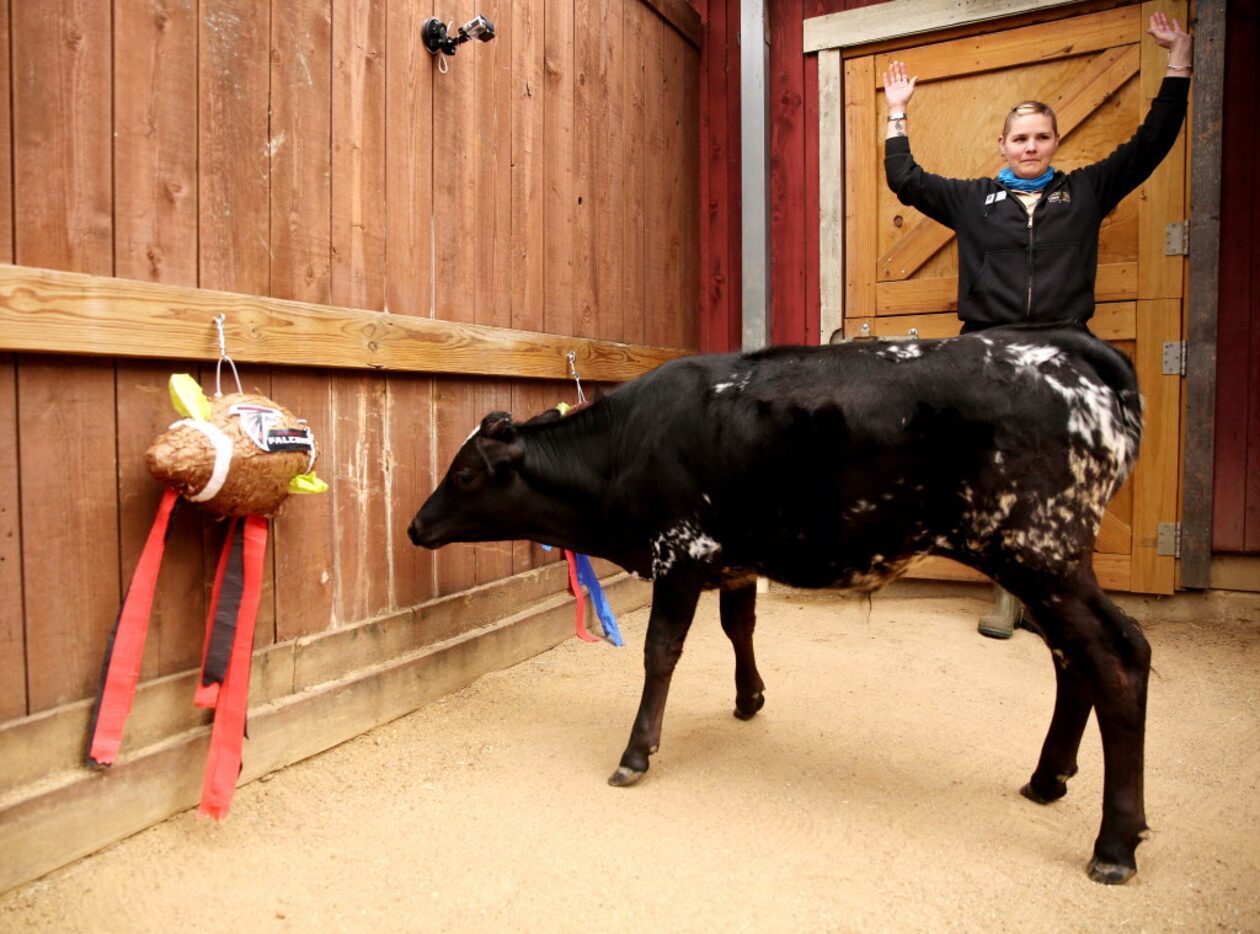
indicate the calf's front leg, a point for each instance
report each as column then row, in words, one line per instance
column 673, row 606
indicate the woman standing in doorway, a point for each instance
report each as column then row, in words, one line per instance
column 1028, row 239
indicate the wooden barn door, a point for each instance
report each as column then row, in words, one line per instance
column 1099, row 72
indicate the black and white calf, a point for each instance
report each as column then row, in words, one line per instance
column 835, row 467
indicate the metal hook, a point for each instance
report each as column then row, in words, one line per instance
column 223, row 355
column 571, row 356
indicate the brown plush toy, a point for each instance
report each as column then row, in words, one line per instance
column 239, row 456
column 243, row 458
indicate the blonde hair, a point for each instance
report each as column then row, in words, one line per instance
column 1027, row 108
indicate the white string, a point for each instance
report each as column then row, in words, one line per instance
column 572, row 358
column 441, row 57
column 223, row 355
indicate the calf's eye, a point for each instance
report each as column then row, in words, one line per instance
column 465, row 477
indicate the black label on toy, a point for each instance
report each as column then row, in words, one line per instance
column 280, row 440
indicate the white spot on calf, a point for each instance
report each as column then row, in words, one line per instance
column 900, row 351
column 1096, row 416
column 735, row 381
column 702, row 547
column 1032, row 355
column 684, row 539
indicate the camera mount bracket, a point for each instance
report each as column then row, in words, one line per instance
column 437, row 37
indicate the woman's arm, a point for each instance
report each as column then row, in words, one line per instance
column 898, row 89
column 1133, row 162
column 1169, row 35
column 939, row 198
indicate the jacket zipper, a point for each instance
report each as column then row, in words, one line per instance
column 1031, row 239
column 1028, row 302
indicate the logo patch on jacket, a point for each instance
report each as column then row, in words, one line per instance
column 995, row 196
column 1057, row 197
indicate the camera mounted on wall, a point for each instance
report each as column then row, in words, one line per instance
column 437, row 37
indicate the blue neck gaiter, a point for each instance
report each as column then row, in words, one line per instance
column 1011, row 180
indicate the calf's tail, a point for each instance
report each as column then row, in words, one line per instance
column 1130, row 404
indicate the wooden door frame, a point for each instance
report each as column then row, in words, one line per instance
column 828, row 36
column 1202, row 293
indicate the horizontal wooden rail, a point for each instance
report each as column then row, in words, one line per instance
column 1009, row 48
column 907, row 18
column 47, row 311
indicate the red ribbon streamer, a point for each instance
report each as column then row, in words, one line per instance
column 207, row 695
column 576, row 590
column 126, row 649
column 223, row 766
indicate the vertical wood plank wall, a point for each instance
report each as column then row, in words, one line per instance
column 310, row 150
column 1236, row 469
column 794, row 171
column 721, row 205
column 155, row 238
column 12, row 633
column 70, row 553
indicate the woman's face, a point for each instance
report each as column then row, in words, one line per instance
column 1030, row 145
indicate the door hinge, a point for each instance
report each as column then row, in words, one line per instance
column 1177, row 239
column 1174, row 358
column 1168, row 539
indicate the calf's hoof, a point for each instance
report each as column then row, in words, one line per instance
column 746, row 707
column 1045, row 796
column 1045, row 790
column 624, row 777
column 1110, row 873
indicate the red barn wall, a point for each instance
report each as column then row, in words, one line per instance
column 1236, row 473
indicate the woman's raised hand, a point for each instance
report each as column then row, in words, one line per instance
column 1167, row 32
column 898, row 86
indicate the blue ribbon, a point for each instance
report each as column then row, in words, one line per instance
column 586, row 577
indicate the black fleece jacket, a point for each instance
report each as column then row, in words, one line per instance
column 1017, row 267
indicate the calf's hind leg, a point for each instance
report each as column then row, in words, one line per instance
column 738, row 607
column 673, row 606
column 1111, row 661
column 1072, row 705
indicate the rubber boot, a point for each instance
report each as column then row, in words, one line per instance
column 1000, row 624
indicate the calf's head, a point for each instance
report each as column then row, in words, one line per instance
column 479, row 499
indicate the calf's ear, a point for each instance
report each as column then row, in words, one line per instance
column 498, row 425
column 501, row 456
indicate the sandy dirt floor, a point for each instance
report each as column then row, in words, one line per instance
column 877, row 790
